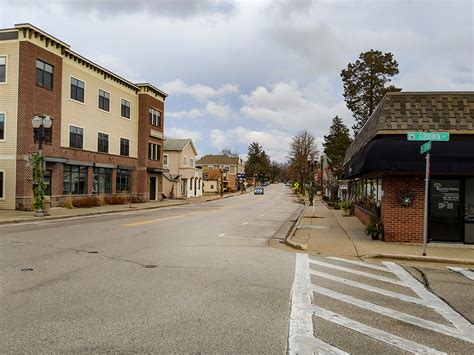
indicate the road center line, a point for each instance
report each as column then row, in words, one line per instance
column 151, row 221
column 245, row 223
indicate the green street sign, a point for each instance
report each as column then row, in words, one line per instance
column 428, row 136
column 425, row 147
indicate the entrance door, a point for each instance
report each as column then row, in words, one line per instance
column 445, row 210
column 469, row 212
column 153, row 188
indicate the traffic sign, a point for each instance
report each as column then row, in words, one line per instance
column 428, row 136
column 425, row 147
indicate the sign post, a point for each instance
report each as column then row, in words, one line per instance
column 426, row 148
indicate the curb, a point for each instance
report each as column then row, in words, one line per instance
column 52, row 218
column 434, row 259
column 288, row 240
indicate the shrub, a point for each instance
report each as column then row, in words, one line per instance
column 67, row 202
column 85, row 202
column 138, row 199
column 115, row 199
column 345, row 205
column 337, row 205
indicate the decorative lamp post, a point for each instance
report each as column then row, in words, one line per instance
column 311, row 178
column 39, row 123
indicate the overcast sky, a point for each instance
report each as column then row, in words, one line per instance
column 243, row 71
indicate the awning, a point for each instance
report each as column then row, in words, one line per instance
column 402, row 156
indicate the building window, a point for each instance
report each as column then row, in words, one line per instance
column 125, row 108
column 47, row 136
column 47, row 181
column 191, row 161
column 76, row 137
column 2, row 126
column 184, row 183
column 210, row 167
column 2, row 183
column 155, row 117
column 44, row 74
column 154, row 151
column 124, row 146
column 102, row 182
column 3, row 69
column 103, row 143
column 185, row 160
column 104, row 100
column 165, row 159
column 226, row 168
column 122, row 180
column 75, row 180
column 77, row 90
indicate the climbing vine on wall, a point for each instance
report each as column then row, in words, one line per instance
column 38, row 186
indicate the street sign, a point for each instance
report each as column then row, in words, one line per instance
column 425, row 147
column 428, row 136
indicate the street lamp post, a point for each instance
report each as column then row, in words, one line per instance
column 40, row 123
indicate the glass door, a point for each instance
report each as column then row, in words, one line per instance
column 446, row 223
column 469, row 211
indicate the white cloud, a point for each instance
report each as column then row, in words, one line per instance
column 198, row 91
column 179, row 133
column 218, row 139
column 218, row 110
column 193, row 113
column 289, row 107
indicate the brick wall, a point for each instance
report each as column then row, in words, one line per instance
column 35, row 100
column 145, row 101
column 362, row 214
column 402, row 224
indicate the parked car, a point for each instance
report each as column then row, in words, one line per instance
column 258, row 190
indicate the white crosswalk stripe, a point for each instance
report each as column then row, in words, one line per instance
column 465, row 272
column 304, row 304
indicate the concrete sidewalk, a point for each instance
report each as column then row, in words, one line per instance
column 12, row 216
column 329, row 233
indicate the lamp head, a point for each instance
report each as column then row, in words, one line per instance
column 47, row 122
column 36, row 121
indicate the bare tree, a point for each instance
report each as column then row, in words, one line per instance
column 302, row 150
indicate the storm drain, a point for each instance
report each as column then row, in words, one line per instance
column 93, row 252
column 27, row 269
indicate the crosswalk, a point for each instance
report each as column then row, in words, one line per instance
column 382, row 302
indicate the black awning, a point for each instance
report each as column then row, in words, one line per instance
column 402, row 156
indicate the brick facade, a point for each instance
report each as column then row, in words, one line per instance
column 362, row 214
column 36, row 100
column 402, row 224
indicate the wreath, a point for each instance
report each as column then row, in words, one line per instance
column 406, row 197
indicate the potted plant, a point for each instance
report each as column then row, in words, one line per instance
column 346, row 206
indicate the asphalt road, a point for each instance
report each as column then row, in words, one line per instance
column 192, row 278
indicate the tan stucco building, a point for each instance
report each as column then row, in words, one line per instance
column 181, row 178
column 107, row 132
column 221, row 167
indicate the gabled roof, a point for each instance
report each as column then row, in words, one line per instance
column 221, row 159
column 402, row 112
column 178, row 144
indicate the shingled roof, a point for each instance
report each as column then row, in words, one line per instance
column 402, row 112
column 177, row 144
column 221, row 159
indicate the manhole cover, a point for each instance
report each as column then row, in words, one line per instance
column 27, row 269
column 150, row 266
column 92, row 252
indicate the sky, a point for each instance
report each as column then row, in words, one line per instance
column 259, row 70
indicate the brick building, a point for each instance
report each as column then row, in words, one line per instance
column 384, row 169
column 107, row 133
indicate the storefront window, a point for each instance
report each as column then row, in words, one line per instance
column 122, row 180
column 102, row 183
column 75, row 179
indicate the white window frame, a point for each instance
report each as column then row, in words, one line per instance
column 130, row 103
column 185, row 160
column 110, row 101
column 210, row 167
column 71, row 99
column 108, row 135
column 154, row 154
column 160, row 114
column 4, row 126
column 165, row 159
column 6, row 70
column 2, row 171
column 191, row 162
column 129, row 147
column 69, row 136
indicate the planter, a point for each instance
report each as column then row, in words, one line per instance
column 346, row 212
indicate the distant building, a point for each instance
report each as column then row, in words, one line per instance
column 182, row 178
column 107, row 132
column 221, row 169
column 385, row 170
